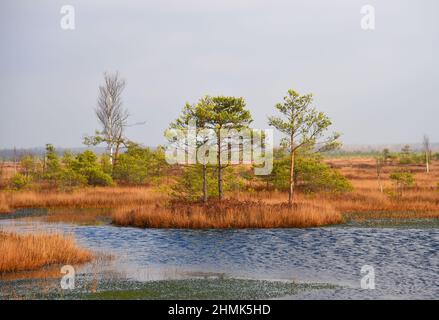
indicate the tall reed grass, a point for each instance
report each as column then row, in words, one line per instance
column 111, row 197
column 228, row 214
column 20, row 252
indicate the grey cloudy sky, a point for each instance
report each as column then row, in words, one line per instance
column 377, row 86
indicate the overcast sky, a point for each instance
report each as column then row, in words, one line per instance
column 377, row 86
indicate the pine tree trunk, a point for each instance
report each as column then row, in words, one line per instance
column 220, row 173
column 291, row 191
column 204, row 183
column 220, row 183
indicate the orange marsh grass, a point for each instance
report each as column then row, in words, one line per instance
column 229, row 214
column 145, row 206
column 83, row 198
column 21, row 252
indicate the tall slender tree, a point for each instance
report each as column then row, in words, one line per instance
column 304, row 128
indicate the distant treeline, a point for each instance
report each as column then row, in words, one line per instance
column 17, row 154
column 39, row 152
column 373, row 153
column 345, row 153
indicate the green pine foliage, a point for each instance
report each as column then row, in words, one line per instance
column 74, row 171
column 189, row 185
column 310, row 173
column 138, row 166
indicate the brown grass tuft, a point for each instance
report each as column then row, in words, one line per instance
column 229, row 214
column 32, row 251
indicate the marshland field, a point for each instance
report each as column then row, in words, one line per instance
column 141, row 242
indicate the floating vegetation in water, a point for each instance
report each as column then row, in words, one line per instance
column 165, row 289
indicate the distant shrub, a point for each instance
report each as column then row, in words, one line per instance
column 391, row 193
column 97, row 177
column 86, row 164
column 19, row 181
column 406, row 156
column 412, row 159
column 53, row 167
column 73, row 171
column 315, row 175
column 189, row 186
column 69, row 178
column 30, row 166
column 405, row 179
column 139, row 165
column 311, row 175
column 105, row 163
column 402, row 180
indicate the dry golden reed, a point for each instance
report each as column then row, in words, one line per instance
column 228, row 214
column 111, row 197
column 33, row 251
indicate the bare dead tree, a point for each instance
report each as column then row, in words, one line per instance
column 111, row 115
column 427, row 150
column 379, row 167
